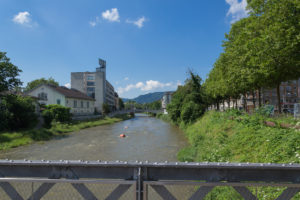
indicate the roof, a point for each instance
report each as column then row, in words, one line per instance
column 71, row 93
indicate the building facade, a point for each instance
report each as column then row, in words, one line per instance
column 95, row 85
column 80, row 103
column 166, row 99
column 289, row 96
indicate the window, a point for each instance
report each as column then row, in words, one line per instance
column 42, row 96
column 75, row 103
column 67, row 101
column 81, row 104
column 90, row 83
column 91, row 89
column 90, row 77
column 91, row 94
column 58, row 101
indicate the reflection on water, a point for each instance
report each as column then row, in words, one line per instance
column 146, row 138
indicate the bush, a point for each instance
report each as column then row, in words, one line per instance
column 17, row 112
column 58, row 113
column 190, row 112
column 105, row 108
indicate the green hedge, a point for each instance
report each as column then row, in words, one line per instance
column 17, row 112
column 58, row 113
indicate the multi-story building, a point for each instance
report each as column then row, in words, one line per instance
column 95, row 85
column 289, row 95
column 165, row 101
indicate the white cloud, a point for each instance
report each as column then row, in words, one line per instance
column 147, row 86
column 94, row 22
column 111, row 15
column 237, row 9
column 23, row 18
column 68, row 85
column 126, row 79
column 139, row 22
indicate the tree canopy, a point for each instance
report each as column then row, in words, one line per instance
column 8, row 74
column 262, row 50
column 35, row 83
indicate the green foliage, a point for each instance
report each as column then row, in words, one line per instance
column 40, row 81
column 56, row 112
column 8, row 74
column 105, row 108
column 187, row 102
column 156, row 105
column 190, row 112
column 17, row 112
column 261, row 50
column 238, row 137
column 121, row 104
column 235, row 136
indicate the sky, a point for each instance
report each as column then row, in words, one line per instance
column 148, row 45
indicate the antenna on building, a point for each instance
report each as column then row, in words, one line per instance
column 102, row 63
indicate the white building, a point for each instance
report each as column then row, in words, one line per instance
column 165, row 101
column 95, row 85
column 80, row 103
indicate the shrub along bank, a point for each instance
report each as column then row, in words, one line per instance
column 234, row 136
column 14, row 139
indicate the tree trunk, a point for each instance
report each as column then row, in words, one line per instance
column 253, row 98
column 245, row 102
column 218, row 106
column 236, row 104
column 259, row 97
column 229, row 103
column 223, row 105
column 278, row 97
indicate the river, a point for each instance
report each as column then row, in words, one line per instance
column 147, row 138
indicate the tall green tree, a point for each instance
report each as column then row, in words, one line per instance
column 35, row 83
column 278, row 46
column 8, row 74
column 187, row 102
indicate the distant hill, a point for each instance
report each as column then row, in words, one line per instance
column 146, row 98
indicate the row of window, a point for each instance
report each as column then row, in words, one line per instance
column 81, row 104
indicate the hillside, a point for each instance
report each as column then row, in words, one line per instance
column 146, row 98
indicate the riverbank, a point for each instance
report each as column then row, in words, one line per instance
column 238, row 137
column 19, row 138
column 233, row 136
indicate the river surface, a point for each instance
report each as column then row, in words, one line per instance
column 147, row 138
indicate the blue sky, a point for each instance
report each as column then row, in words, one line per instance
column 148, row 45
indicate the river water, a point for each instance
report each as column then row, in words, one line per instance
column 147, row 138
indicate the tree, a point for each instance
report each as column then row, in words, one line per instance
column 8, row 74
column 35, row 83
column 187, row 102
column 105, row 108
column 17, row 112
column 278, row 45
column 121, row 104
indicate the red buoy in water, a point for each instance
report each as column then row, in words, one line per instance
column 122, row 135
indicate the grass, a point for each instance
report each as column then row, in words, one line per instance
column 238, row 137
column 14, row 139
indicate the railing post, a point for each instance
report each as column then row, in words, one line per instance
column 139, row 183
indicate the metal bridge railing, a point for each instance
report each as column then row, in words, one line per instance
column 30, row 180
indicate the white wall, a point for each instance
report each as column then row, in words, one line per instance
column 80, row 110
column 52, row 95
